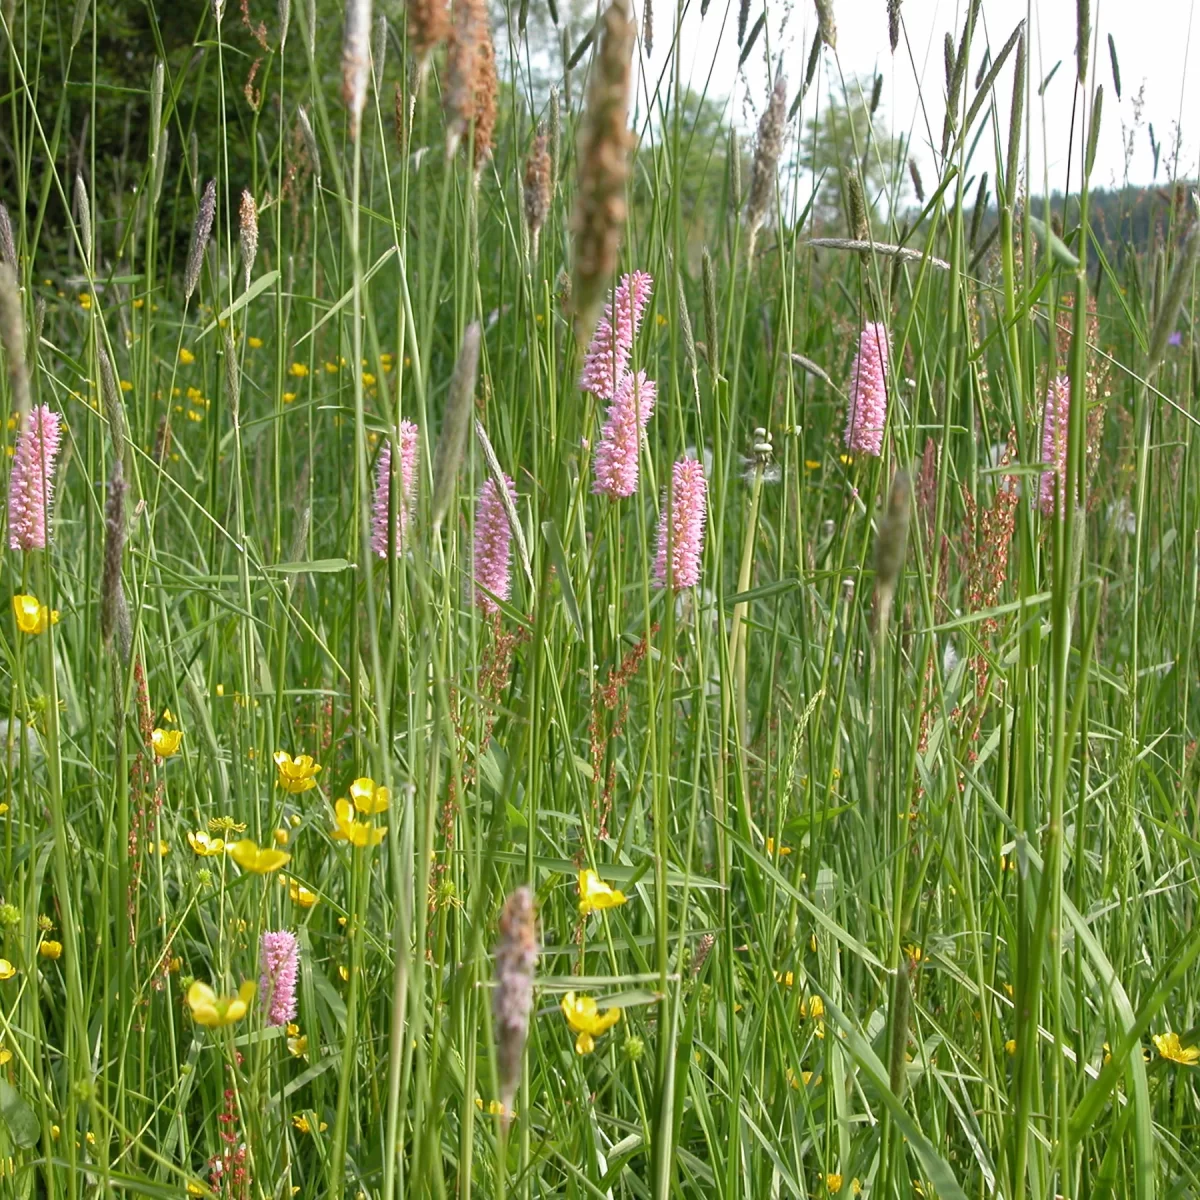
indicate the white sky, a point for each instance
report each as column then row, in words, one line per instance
column 1158, row 48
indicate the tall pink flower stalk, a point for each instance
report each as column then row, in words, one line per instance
column 410, row 438
column 1054, row 446
column 616, row 461
column 279, row 957
column 607, row 358
column 31, row 485
column 491, row 560
column 681, row 527
column 868, row 391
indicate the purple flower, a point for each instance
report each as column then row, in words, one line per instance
column 681, row 527
column 617, row 455
column 868, row 391
column 607, row 357
column 410, row 437
column 279, row 955
column 31, row 485
column 1175, row 339
column 491, row 565
column 1054, row 445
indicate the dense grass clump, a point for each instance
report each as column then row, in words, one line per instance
column 565, row 644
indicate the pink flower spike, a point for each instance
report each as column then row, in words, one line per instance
column 279, row 957
column 410, row 437
column 1054, row 445
column 31, row 485
column 868, row 391
column 681, row 527
column 492, row 536
column 617, row 455
column 607, row 357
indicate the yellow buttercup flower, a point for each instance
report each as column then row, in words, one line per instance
column 357, row 833
column 771, row 849
column 255, row 343
column 221, row 826
column 298, row 370
column 213, row 1011
column 787, row 978
column 301, row 1122
column 5, row 1055
column 833, row 1184
column 1167, row 1044
column 31, row 616
column 297, row 774
column 585, row 1019
column 297, row 1044
column 595, row 894
column 186, row 356
column 50, row 949
column 205, row 846
column 368, row 798
column 251, row 857
column 1010, row 1047
column 298, row 893
column 166, row 741
column 7, row 970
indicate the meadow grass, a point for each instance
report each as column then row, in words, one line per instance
column 898, row 796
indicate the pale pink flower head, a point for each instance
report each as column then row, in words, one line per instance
column 410, row 437
column 617, row 455
column 31, row 485
column 868, row 391
column 491, row 560
column 1054, row 445
column 607, row 357
column 279, row 959
column 681, row 527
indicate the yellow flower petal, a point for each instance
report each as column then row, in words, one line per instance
column 250, row 857
column 166, row 741
column 205, row 846
column 297, row 774
column 595, row 894
column 368, row 798
column 7, row 970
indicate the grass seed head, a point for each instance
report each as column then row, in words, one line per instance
column 766, row 158
column 201, row 232
column 600, row 208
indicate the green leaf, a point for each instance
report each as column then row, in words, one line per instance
column 255, row 289
column 19, row 1119
column 559, row 559
column 318, row 566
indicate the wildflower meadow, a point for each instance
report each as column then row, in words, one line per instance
column 582, row 622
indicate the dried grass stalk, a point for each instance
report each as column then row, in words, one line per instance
column 600, row 208
column 766, row 159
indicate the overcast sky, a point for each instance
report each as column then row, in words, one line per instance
column 1155, row 49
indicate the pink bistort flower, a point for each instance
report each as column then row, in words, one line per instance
column 607, row 357
column 31, row 485
column 490, row 563
column 616, row 461
column 681, row 527
column 279, row 956
column 868, row 391
column 1054, row 445
column 409, row 441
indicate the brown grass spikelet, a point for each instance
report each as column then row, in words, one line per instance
column 201, row 232
column 12, row 338
column 428, row 28
column 462, row 70
column 486, row 89
column 356, row 61
column 537, row 188
column 516, row 956
column 766, row 159
column 248, row 233
column 8, row 244
column 600, row 208
column 826, row 23
column 894, row 24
